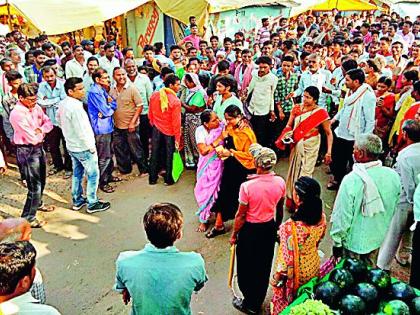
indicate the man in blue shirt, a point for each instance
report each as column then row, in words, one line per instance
column 160, row 279
column 101, row 107
column 50, row 93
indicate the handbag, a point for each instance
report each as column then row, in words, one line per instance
column 177, row 166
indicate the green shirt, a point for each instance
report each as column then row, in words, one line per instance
column 197, row 100
column 160, row 281
column 350, row 228
column 220, row 106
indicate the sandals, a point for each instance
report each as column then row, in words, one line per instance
column 115, row 179
column 215, row 232
column 332, row 185
column 107, row 189
column 53, row 171
column 45, row 208
column 35, row 224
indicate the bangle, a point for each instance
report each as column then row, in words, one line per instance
column 328, row 154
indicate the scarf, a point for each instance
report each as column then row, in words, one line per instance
column 164, row 101
column 197, row 88
column 156, row 65
column 354, row 100
column 402, row 98
column 246, row 76
column 372, row 203
column 242, row 139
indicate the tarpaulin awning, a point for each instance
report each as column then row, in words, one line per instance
column 344, row 5
column 58, row 17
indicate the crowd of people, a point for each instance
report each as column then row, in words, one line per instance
column 343, row 90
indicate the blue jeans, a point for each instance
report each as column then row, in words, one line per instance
column 84, row 162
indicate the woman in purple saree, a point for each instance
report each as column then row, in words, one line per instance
column 209, row 168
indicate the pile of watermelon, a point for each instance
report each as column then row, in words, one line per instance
column 355, row 289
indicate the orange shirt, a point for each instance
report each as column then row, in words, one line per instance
column 169, row 121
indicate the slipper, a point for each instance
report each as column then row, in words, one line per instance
column 37, row 224
column 44, row 208
column 401, row 261
column 53, row 171
column 107, row 189
column 332, row 185
column 115, row 179
column 215, row 232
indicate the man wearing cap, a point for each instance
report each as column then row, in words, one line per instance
column 88, row 49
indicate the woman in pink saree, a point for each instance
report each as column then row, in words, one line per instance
column 209, row 168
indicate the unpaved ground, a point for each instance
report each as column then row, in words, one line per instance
column 77, row 251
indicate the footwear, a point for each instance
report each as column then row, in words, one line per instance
column 98, row 207
column 333, row 185
column 238, row 303
column 115, row 179
column 152, row 182
column 35, row 224
column 79, row 206
column 107, row 189
column 215, row 232
column 169, row 183
column 53, row 171
column 67, row 174
column 45, row 208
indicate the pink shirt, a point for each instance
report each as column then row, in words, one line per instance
column 25, row 122
column 261, row 193
column 194, row 39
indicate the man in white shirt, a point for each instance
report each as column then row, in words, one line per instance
column 80, row 143
column 17, row 262
column 357, row 116
column 406, row 33
column 314, row 76
column 77, row 66
column 396, row 37
column 109, row 62
column 261, row 104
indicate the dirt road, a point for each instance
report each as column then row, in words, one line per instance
column 77, row 251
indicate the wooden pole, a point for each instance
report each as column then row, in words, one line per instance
column 8, row 15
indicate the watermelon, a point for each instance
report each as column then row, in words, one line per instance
column 357, row 268
column 415, row 306
column 396, row 307
column 352, row 304
column 379, row 278
column 342, row 277
column 368, row 293
column 401, row 291
column 328, row 292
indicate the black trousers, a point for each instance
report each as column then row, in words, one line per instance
column 54, row 139
column 32, row 164
column 145, row 132
column 261, row 126
column 127, row 147
column 342, row 158
column 254, row 253
column 415, row 260
column 106, row 164
column 159, row 139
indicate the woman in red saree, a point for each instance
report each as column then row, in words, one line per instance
column 302, row 131
column 297, row 258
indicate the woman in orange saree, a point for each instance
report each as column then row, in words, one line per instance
column 302, row 132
